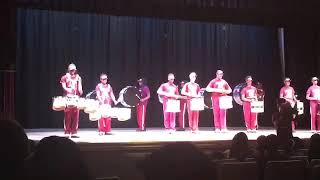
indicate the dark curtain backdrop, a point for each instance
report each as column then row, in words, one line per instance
column 302, row 61
column 130, row 47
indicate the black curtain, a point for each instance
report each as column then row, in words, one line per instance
column 130, row 47
column 302, row 47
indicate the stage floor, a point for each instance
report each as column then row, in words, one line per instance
column 155, row 135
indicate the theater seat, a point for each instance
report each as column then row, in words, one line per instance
column 280, row 170
column 314, row 162
column 315, row 173
column 237, row 171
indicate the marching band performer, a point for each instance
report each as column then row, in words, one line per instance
column 248, row 95
column 218, row 87
column 183, row 107
column 287, row 92
column 105, row 96
column 72, row 86
column 313, row 95
column 192, row 90
column 142, row 105
column 168, row 91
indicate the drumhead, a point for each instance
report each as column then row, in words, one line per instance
column 237, row 93
column 129, row 96
column 207, row 99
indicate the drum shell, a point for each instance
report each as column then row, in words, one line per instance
column 300, row 108
column 72, row 101
column 196, row 104
column 237, row 93
column 82, row 103
column 59, row 103
column 91, row 106
column 172, row 105
column 123, row 114
column 94, row 116
column 225, row 102
column 257, row 106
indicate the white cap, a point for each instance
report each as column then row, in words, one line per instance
column 72, row 67
column 314, row 79
column 287, row 79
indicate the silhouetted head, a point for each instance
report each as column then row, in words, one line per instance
column 58, row 158
column 314, row 147
column 240, row 146
column 177, row 161
column 14, row 149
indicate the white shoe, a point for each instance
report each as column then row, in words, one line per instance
column 224, row 130
column 101, row 133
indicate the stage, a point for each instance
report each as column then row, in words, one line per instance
column 130, row 139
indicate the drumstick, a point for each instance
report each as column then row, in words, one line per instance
column 138, row 97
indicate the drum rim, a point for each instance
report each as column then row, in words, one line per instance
column 121, row 96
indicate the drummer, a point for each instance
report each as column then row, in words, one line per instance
column 142, row 105
column 192, row 90
column 106, row 97
column 287, row 92
column 168, row 91
column 72, row 86
column 313, row 95
column 183, row 107
column 219, row 87
column 248, row 95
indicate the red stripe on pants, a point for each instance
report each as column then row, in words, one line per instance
column 315, row 121
column 220, row 121
column 249, row 117
column 141, row 114
column 193, row 117
column 71, row 120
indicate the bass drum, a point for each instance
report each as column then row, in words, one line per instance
column 237, row 93
column 129, row 96
column 207, row 99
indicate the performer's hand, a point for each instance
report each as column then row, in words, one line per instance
column 175, row 96
column 69, row 90
column 223, row 91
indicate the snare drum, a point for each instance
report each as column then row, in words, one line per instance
column 225, row 102
column 82, row 103
column 105, row 110
column 94, row 116
column 129, row 96
column 300, row 108
column 59, row 103
column 197, row 104
column 257, row 106
column 91, row 106
column 72, row 101
column 122, row 114
column 172, row 105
